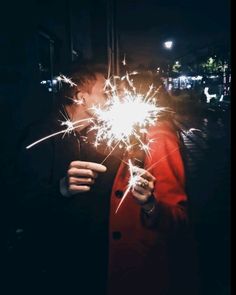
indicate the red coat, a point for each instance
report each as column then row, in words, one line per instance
column 139, row 258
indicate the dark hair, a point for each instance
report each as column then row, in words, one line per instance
column 143, row 80
column 83, row 75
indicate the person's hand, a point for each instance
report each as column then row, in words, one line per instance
column 144, row 186
column 80, row 176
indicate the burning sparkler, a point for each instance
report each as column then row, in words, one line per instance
column 125, row 118
column 135, row 175
column 122, row 122
column 66, row 80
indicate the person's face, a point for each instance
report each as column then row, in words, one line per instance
column 96, row 97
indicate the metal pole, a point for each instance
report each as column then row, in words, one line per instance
column 112, row 39
column 69, row 37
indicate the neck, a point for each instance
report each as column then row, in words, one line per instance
column 77, row 113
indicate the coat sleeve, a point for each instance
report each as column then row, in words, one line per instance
column 166, row 165
column 36, row 192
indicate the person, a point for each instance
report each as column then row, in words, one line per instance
column 73, row 239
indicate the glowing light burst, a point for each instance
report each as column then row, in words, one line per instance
column 133, row 180
column 124, row 119
column 135, row 175
column 70, row 127
column 63, row 78
column 122, row 122
column 124, row 61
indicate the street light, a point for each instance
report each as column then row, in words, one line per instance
column 168, row 44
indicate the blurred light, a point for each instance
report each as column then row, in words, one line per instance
column 208, row 96
column 197, row 78
column 183, row 77
column 43, row 82
column 211, row 60
column 168, row 44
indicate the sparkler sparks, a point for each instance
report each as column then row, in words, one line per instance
column 135, row 176
column 63, row 78
column 124, row 61
column 123, row 122
column 132, row 182
column 71, row 126
column 124, row 119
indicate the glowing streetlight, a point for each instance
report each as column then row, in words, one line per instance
column 168, row 44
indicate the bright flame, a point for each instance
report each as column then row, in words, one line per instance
column 125, row 118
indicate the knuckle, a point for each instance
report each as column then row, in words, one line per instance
column 71, row 171
column 90, row 173
column 151, row 185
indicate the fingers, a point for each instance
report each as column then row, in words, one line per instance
column 79, row 181
column 143, row 190
column 75, row 189
column 88, row 165
column 144, row 185
column 139, row 197
column 75, row 172
column 81, row 175
column 144, row 173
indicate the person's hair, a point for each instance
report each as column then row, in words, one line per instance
column 84, row 76
column 142, row 82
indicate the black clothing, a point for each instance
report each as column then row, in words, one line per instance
column 64, row 240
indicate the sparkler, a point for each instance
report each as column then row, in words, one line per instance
column 125, row 118
column 135, row 176
column 63, row 78
column 71, row 126
column 123, row 122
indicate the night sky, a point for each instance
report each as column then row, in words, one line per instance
column 145, row 25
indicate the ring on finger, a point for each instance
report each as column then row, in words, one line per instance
column 144, row 183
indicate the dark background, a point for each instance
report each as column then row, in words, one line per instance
column 38, row 39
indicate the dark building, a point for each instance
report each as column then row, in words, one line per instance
column 39, row 38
